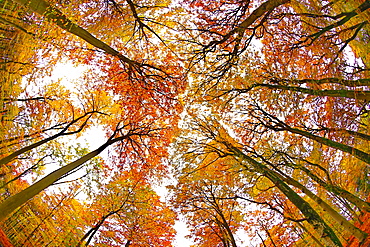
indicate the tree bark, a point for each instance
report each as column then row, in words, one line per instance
column 310, row 234
column 326, row 233
column 225, row 225
column 359, row 234
column 257, row 13
column 350, row 132
column 13, row 202
column 63, row 132
column 27, row 136
column 276, row 124
column 333, row 80
column 361, row 95
column 345, row 148
column 53, row 14
column 346, row 16
column 358, row 202
column 90, row 234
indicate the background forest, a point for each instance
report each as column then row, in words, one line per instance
column 246, row 119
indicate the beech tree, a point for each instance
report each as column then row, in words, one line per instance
column 213, row 212
column 125, row 207
column 17, row 200
column 361, row 95
column 44, row 216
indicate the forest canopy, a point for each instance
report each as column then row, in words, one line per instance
column 246, row 120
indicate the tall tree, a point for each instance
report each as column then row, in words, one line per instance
column 125, row 207
column 205, row 196
column 10, row 204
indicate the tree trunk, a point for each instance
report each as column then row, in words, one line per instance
column 53, row 14
column 229, row 234
column 347, row 149
column 358, row 202
column 359, row 234
column 90, row 234
column 8, row 140
column 346, row 17
column 361, row 95
column 351, row 132
column 312, row 217
column 11, row 156
column 23, row 150
column 348, row 83
column 264, row 8
column 310, row 234
column 13, row 202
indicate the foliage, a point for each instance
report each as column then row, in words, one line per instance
column 258, row 111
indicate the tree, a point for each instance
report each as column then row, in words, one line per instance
column 275, row 124
column 17, row 200
column 360, row 95
column 46, row 215
column 53, row 14
column 205, row 196
column 125, row 207
column 63, row 132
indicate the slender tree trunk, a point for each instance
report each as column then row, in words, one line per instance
column 312, row 217
column 351, row 132
column 348, row 83
column 33, row 167
column 90, row 234
column 13, row 202
column 346, row 17
column 264, row 8
column 29, row 99
column 358, row 202
column 327, row 234
column 359, row 234
column 311, row 235
column 361, row 95
column 345, row 148
column 268, row 233
column 225, row 224
column 22, row 137
column 11, row 156
column 259, row 12
column 53, row 14
column 23, row 150
column 3, row 20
